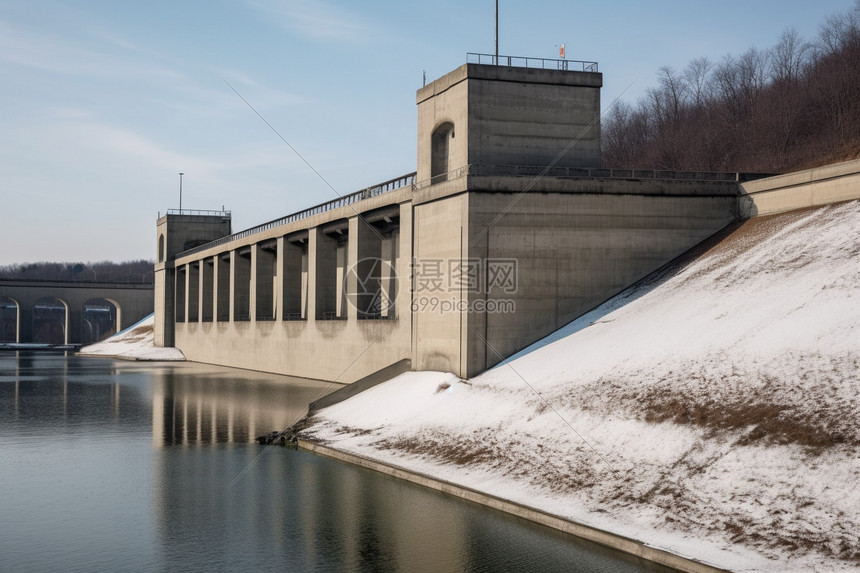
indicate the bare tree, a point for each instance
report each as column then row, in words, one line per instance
column 697, row 76
column 789, row 58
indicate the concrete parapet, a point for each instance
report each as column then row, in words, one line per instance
column 600, row 536
column 809, row 188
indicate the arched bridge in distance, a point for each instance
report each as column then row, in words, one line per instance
column 68, row 312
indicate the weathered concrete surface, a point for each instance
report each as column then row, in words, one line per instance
column 499, row 115
column 176, row 233
column 278, row 299
column 606, row 538
column 328, row 343
column 809, row 188
column 573, row 252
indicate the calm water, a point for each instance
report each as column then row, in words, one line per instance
column 120, row 466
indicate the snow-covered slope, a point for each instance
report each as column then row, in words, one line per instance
column 134, row 343
column 712, row 411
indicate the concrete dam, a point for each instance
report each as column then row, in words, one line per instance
column 508, row 229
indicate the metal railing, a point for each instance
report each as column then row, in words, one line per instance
column 611, row 173
column 441, row 178
column 588, row 173
column 373, row 191
column 524, row 62
column 203, row 212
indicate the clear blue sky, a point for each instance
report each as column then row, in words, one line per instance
column 103, row 103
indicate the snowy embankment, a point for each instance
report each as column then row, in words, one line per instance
column 711, row 411
column 134, row 343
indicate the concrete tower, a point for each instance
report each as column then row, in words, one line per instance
column 491, row 118
column 178, row 232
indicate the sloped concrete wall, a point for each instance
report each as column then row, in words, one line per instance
column 809, row 188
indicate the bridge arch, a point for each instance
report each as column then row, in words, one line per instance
column 10, row 319
column 51, row 321
column 100, row 318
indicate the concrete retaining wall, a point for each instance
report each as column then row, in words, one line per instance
column 810, row 188
column 618, row 542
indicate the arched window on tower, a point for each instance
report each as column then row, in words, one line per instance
column 440, row 146
column 161, row 248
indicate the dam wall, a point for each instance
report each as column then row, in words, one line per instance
column 508, row 230
column 462, row 274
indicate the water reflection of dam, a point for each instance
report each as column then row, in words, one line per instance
column 209, row 405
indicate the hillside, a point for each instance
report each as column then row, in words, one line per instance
column 710, row 410
column 792, row 106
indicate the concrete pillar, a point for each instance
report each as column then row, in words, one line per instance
column 389, row 253
column 313, row 242
column 118, row 320
column 233, row 257
column 181, row 290
column 278, row 309
column 340, row 277
column 253, row 282
column 305, row 286
column 349, row 281
column 165, row 305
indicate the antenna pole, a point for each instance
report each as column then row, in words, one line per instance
column 497, row 32
column 180, row 192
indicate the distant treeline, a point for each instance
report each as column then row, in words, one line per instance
column 793, row 106
column 140, row 271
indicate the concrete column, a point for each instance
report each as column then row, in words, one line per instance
column 340, row 278
column 349, row 282
column 188, row 293
column 165, row 305
column 313, row 235
column 253, row 283
column 279, row 281
column 388, row 274
column 233, row 256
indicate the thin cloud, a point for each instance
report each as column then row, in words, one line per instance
column 321, row 21
column 48, row 53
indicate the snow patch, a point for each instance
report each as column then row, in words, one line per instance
column 134, row 343
column 710, row 411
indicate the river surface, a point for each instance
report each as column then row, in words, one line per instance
column 115, row 466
